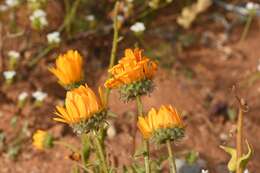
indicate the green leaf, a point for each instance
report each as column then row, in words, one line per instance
column 242, row 161
column 232, row 164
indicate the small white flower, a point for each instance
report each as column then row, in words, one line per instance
column 252, row 6
column 138, row 27
column 14, row 54
column 90, row 17
column 22, row 96
column 246, row 171
column 9, row 74
column 120, row 18
column 12, row 3
column 54, row 38
column 39, row 16
column 39, row 95
column 204, row 171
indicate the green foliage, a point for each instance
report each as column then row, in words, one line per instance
column 234, row 162
column 192, row 157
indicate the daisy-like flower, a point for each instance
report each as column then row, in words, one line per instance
column 162, row 125
column 53, row 38
column 69, row 69
column 204, row 171
column 252, row 6
column 39, row 19
column 138, row 27
column 42, row 140
column 133, row 75
column 83, row 110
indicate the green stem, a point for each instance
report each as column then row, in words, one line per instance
column 43, row 53
column 247, row 26
column 171, row 157
column 70, row 16
column 100, row 152
column 114, row 47
column 239, row 145
column 145, row 142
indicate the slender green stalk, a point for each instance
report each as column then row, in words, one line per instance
column 145, row 142
column 247, row 26
column 43, row 53
column 171, row 157
column 100, row 152
column 70, row 16
column 114, row 47
column 239, row 144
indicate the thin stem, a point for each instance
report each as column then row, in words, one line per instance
column 100, row 152
column 239, row 136
column 114, row 47
column 247, row 26
column 43, row 53
column 171, row 157
column 145, row 142
column 65, row 144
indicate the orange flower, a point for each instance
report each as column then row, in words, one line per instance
column 80, row 105
column 42, row 140
column 166, row 117
column 131, row 68
column 68, row 68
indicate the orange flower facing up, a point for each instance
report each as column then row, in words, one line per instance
column 131, row 68
column 69, row 69
column 164, row 124
column 83, row 110
column 42, row 140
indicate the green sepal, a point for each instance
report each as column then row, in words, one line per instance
column 131, row 91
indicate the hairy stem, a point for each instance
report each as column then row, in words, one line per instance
column 145, row 142
column 171, row 157
column 101, row 153
column 114, row 47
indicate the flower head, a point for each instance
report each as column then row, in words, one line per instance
column 42, row 140
column 39, row 95
column 138, row 27
column 22, row 96
column 83, row 110
column 164, row 124
column 9, row 75
column 131, row 68
column 39, row 19
column 69, row 69
column 12, row 54
column 53, row 38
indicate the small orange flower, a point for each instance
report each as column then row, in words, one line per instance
column 68, row 68
column 131, row 68
column 42, row 140
column 166, row 117
column 80, row 105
